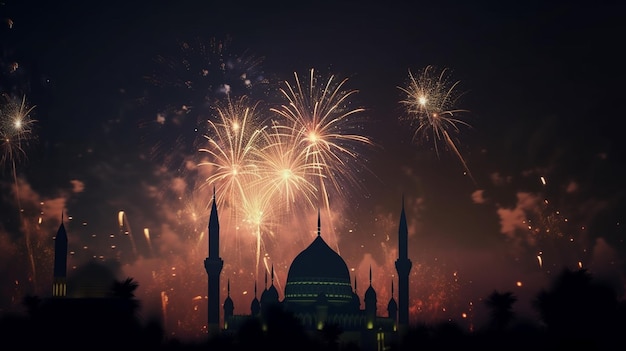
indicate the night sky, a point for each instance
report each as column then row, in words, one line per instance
column 122, row 95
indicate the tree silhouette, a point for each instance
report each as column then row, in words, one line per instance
column 578, row 311
column 32, row 304
column 330, row 335
column 501, row 309
column 124, row 289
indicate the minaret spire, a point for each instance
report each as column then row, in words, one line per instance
column 319, row 223
column 403, row 267
column 59, row 281
column 213, row 266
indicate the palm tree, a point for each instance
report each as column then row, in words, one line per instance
column 501, row 306
column 578, row 307
column 125, row 292
column 124, row 289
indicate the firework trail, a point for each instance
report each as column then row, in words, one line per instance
column 231, row 156
column 430, row 105
column 321, row 120
column 146, row 234
column 16, row 130
column 125, row 229
column 549, row 226
column 257, row 211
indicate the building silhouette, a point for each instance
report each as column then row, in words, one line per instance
column 318, row 292
column 213, row 266
column 59, row 280
column 85, row 304
column 403, row 267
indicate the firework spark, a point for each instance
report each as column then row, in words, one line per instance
column 430, row 104
column 230, row 150
column 16, row 129
column 287, row 171
column 323, row 123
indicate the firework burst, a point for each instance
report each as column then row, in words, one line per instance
column 264, row 169
column 231, row 143
column 430, row 104
column 324, row 125
column 287, row 172
column 16, row 129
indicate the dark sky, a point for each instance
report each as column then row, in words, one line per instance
column 542, row 82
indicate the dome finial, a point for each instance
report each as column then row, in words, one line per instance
column 319, row 225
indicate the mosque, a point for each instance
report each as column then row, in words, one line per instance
column 318, row 292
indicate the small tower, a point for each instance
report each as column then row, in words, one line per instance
column 255, row 306
column 269, row 296
column 213, row 266
column 356, row 301
column 392, row 308
column 59, row 280
column 370, row 304
column 229, row 307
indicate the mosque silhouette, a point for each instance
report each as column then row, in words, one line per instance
column 318, row 292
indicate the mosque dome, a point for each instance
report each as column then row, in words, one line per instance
column 318, row 269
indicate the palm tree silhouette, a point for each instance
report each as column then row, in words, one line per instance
column 125, row 292
column 124, row 289
column 578, row 310
column 501, row 309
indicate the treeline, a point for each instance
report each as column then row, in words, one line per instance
column 575, row 312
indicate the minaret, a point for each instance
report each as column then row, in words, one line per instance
column 59, row 282
column 213, row 266
column 403, row 267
